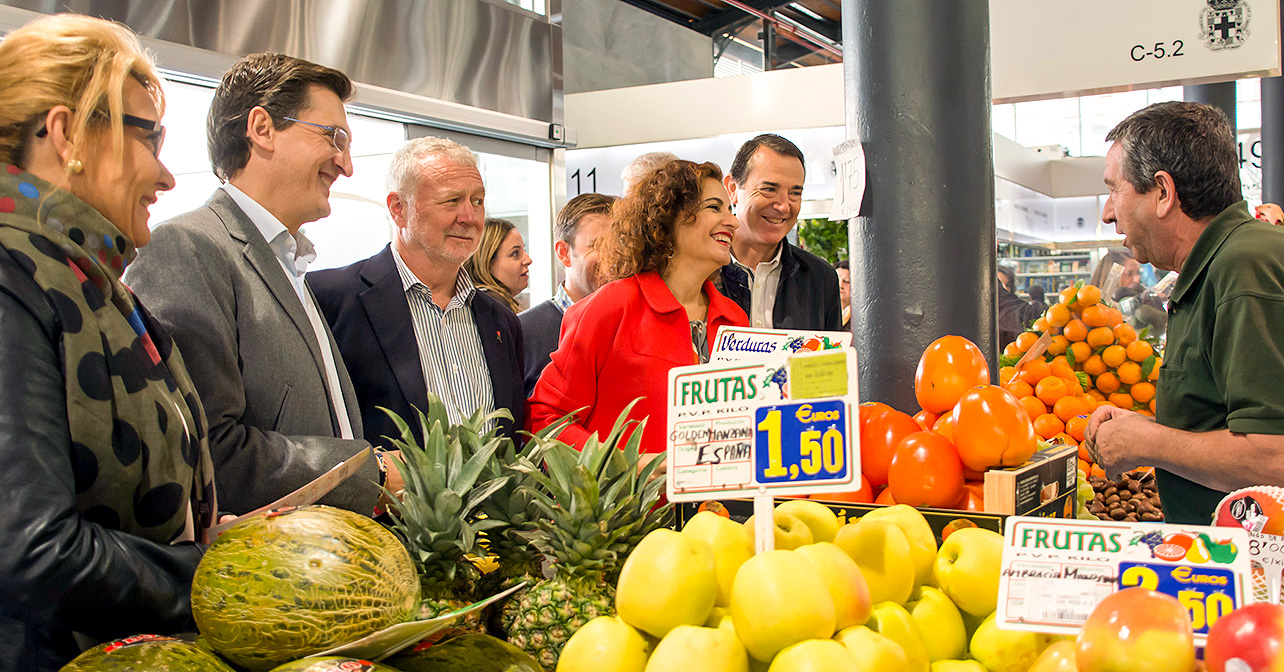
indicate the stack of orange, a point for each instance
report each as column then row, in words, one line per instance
column 1094, row 359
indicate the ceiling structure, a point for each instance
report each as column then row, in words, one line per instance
column 787, row 34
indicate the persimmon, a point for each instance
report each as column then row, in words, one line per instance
column 879, row 437
column 925, row 419
column 991, row 429
column 926, row 471
column 950, row 366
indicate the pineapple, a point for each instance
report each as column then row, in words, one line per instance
column 435, row 516
column 595, row 504
column 514, row 507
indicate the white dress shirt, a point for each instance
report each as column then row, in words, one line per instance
column 294, row 253
column 450, row 347
column 763, row 282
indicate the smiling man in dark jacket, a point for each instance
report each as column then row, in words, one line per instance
column 777, row 284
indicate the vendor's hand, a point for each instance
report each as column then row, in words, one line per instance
column 1111, row 436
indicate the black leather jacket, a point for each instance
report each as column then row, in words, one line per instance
column 806, row 298
column 60, row 574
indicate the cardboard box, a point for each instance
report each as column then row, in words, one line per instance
column 1044, row 486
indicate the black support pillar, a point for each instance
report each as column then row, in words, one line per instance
column 917, row 78
column 1273, row 138
column 1220, row 95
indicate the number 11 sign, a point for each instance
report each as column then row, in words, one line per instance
column 782, row 426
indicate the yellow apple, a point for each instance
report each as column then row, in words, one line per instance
column 605, row 644
column 844, row 580
column 893, row 622
column 920, row 535
column 732, row 544
column 957, row 666
column 939, row 620
column 880, row 549
column 967, row 569
column 779, row 599
column 1005, row 650
column 670, row 579
column 1059, row 657
column 873, row 652
column 791, row 532
column 716, row 615
column 814, row 655
column 690, row 647
column 818, row 518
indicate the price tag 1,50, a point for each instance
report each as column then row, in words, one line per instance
column 802, row 442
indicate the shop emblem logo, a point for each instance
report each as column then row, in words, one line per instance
column 1223, row 24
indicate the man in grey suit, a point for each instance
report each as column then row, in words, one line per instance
column 227, row 280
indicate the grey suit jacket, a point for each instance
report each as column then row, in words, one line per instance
column 213, row 281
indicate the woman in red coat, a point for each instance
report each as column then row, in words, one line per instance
column 667, row 238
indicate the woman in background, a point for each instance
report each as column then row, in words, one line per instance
column 501, row 266
column 1129, row 280
column 106, row 472
column 668, row 237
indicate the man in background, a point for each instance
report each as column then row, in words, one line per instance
column 843, row 268
column 576, row 231
column 227, row 280
column 409, row 320
column 777, row 284
column 642, row 166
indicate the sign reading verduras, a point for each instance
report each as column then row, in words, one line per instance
column 779, row 424
column 1044, row 49
column 1055, row 572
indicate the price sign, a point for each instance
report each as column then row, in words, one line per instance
column 780, row 424
column 800, row 443
column 1055, row 572
column 1207, row 592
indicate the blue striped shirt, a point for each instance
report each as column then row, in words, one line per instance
column 450, row 348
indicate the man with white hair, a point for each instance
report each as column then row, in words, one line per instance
column 642, row 166
column 409, row 321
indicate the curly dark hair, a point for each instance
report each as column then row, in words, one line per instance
column 644, row 223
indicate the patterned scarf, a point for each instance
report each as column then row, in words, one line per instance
column 138, row 446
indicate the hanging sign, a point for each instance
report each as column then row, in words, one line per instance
column 1054, row 49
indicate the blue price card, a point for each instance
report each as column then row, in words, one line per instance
column 1208, row 593
column 802, row 443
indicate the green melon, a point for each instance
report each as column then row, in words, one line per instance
column 472, row 652
column 289, row 584
column 333, row 664
column 147, row 653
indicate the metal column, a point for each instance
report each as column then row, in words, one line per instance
column 1273, row 138
column 1220, row 95
column 917, row 79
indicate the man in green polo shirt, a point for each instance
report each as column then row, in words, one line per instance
column 1173, row 176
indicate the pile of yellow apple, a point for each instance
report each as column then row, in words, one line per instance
column 873, row 595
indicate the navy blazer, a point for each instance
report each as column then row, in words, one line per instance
column 366, row 307
column 541, row 329
column 806, row 298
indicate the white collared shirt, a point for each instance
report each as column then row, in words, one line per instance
column 763, row 282
column 294, row 253
column 450, row 347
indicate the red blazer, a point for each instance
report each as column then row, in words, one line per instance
column 616, row 345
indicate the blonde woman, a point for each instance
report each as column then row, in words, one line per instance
column 501, row 266
column 107, row 476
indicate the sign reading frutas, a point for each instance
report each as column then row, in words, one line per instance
column 778, row 425
column 1056, row 571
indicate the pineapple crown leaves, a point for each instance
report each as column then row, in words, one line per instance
column 442, row 490
column 595, row 500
